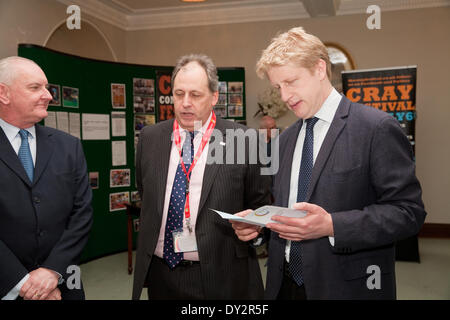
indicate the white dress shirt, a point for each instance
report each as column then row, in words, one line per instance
column 325, row 115
column 195, row 187
column 12, row 133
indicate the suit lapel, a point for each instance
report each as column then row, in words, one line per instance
column 286, row 163
column 10, row 158
column 44, row 150
column 212, row 169
column 162, row 162
column 338, row 123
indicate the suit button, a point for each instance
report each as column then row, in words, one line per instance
column 41, row 233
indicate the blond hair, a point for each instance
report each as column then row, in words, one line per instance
column 294, row 46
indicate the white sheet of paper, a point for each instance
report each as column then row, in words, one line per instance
column 263, row 215
column 50, row 121
column 95, row 126
column 74, row 124
column 62, row 121
column 119, row 153
column 118, row 124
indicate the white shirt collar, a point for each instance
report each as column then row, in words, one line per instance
column 12, row 131
column 329, row 107
column 203, row 128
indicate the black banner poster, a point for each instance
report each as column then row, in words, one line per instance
column 392, row 90
column 164, row 98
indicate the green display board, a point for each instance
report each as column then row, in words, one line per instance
column 106, row 104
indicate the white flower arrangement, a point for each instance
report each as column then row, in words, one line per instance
column 270, row 103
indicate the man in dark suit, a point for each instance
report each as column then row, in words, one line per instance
column 45, row 198
column 350, row 167
column 266, row 125
column 179, row 182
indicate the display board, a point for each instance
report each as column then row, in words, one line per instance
column 106, row 104
column 392, row 90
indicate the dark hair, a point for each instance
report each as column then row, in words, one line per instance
column 205, row 62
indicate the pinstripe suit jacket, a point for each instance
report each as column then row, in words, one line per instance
column 229, row 267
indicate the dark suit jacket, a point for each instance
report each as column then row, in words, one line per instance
column 229, row 267
column 364, row 175
column 44, row 223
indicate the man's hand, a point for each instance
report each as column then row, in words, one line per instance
column 316, row 224
column 245, row 231
column 39, row 285
column 54, row 295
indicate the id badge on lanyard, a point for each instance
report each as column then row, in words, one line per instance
column 184, row 240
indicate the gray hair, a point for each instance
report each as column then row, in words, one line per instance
column 8, row 68
column 205, row 62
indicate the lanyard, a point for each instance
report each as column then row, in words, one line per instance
column 205, row 139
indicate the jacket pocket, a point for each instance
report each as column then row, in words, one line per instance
column 345, row 174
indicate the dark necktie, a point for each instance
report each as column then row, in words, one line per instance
column 177, row 202
column 25, row 154
column 306, row 166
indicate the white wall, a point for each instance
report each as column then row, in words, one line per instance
column 34, row 21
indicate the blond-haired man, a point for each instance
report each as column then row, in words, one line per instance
column 350, row 167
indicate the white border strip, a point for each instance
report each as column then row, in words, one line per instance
column 379, row 69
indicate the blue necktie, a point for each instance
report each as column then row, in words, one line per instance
column 176, row 204
column 25, row 154
column 306, row 166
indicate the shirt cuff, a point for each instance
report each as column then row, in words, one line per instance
column 14, row 293
column 331, row 239
column 61, row 279
column 257, row 241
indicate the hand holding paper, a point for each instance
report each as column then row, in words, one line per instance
column 261, row 216
column 317, row 223
column 243, row 230
column 247, row 224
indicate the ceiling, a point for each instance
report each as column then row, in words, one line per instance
column 135, row 5
column 132, row 15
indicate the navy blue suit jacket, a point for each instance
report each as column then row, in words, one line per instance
column 364, row 176
column 44, row 223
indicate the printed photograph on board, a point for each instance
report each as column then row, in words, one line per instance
column 220, row 111
column 222, row 101
column 235, row 87
column 142, row 120
column 222, row 87
column 235, row 111
column 119, row 178
column 144, row 87
column 54, row 90
column 235, row 99
column 118, row 200
column 135, row 196
column 118, row 95
column 93, row 180
column 70, row 97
